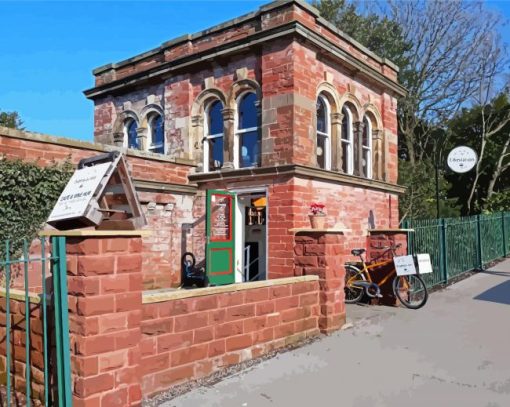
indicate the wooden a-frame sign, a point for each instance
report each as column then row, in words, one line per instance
column 100, row 194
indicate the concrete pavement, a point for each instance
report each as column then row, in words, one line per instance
column 454, row 351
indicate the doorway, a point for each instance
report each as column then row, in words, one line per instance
column 251, row 226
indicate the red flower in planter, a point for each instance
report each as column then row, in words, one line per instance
column 317, row 209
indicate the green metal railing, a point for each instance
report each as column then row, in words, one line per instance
column 458, row 245
column 15, row 257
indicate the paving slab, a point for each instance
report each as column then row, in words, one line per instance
column 454, row 351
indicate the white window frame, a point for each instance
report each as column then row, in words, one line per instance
column 238, row 132
column 127, row 123
column 348, row 140
column 208, row 136
column 368, row 147
column 150, row 144
column 326, row 135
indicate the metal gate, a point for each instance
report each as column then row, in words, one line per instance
column 34, row 323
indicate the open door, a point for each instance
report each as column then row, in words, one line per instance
column 220, row 249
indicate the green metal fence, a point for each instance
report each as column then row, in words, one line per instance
column 458, row 245
column 34, row 319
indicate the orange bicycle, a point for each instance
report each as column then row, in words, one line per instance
column 410, row 290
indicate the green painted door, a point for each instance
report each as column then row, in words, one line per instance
column 220, row 250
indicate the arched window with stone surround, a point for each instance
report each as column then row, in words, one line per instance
column 131, row 134
column 248, row 140
column 366, row 147
column 323, row 148
column 347, row 141
column 213, row 136
column 156, row 134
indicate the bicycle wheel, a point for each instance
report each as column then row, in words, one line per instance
column 411, row 291
column 353, row 293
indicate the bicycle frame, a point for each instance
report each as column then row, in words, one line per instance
column 366, row 268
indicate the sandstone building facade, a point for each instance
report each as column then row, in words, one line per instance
column 277, row 107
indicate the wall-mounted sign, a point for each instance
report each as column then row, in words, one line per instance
column 462, row 159
column 424, row 263
column 404, row 265
column 75, row 199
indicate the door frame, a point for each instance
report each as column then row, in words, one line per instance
column 245, row 191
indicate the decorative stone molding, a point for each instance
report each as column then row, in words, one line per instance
column 118, row 139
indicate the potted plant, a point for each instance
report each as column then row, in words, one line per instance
column 317, row 216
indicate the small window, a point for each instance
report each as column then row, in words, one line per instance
column 157, row 134
column 347, row 161
column 323, row 149
column 248, row 134
column 131, row 128
column 213, row 146
column 366, row 164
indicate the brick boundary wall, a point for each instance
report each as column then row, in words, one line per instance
column 189, row 338
column 322, row 253
column 123, row 349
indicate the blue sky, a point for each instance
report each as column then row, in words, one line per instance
column 48, row 50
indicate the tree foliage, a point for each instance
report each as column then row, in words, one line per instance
column 451, row 59
column 27, row 195
column 11, row 120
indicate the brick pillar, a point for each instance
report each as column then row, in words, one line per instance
column 321, row 253
column 377, row 243
column 105, row 308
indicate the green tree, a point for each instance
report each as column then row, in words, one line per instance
column 11, row 119
column 486, row 129
column 378, row 33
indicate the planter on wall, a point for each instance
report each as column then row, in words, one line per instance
column 318, row 221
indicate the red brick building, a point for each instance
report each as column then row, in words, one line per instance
column 276, row 104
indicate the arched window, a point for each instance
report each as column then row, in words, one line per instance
column 131, row 135
column 347, row 161
column 156, row 134
column 323, row 149
column 366, row 142
column 213, row 145
column 247, row 133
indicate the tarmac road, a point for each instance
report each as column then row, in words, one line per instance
column 453, row 352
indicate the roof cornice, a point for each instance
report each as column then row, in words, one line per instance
column 293, row 28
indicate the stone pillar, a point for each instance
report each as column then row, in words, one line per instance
column 321, row 253
column 336, row 141
column 358, row 148
column 105, row 310
column 141, row 135
column 377, row 154
column 228, row 137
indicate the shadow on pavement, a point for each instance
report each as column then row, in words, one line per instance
column 499, row 293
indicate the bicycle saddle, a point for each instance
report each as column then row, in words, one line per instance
column 357, row 252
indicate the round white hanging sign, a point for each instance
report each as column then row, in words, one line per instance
column 462, row 159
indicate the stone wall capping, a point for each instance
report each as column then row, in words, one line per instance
column 326, row 230
column 88, row 145
column 153, row 296
column 245, row 174
column 396, row 230
column 15, row 294
column 154, row 186
column 96, row 233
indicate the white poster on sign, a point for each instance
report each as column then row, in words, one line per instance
column 424, row 263
column 74, row 200
column 404, row 265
